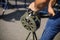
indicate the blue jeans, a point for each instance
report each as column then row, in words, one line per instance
column 52, row 27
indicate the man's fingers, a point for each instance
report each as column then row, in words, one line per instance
column 51, row 14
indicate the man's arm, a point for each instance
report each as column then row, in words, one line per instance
column 51, row 3
column 40, row 4
column 50, row 7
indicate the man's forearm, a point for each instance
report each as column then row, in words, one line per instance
column 51, row 3
column 50, row 7
column 40, row 4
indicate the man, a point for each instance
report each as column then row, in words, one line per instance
column 53, row 24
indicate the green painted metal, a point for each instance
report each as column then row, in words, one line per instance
column 31, row 23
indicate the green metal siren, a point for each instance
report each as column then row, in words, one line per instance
column 30, row 22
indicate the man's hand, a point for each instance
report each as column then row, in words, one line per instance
column 51, row 11
column 32, row 7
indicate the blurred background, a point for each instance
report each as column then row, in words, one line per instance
column 10, row 24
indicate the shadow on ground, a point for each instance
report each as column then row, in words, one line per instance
column 14, row 15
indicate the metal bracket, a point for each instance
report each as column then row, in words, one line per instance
column 34, row 36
